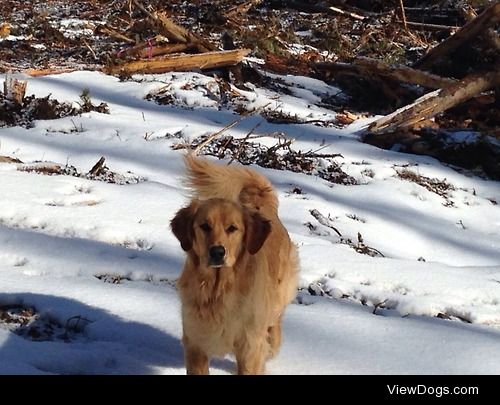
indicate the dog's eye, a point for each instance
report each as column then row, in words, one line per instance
column 205, row 227
column 231, row 229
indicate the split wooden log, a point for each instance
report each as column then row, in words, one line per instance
column 368, row 67
column 486, row 19
column 13, row 89
column 173, row 31
column 207, row 60
column 47, row 72
column 164, row 49
column 436, row 102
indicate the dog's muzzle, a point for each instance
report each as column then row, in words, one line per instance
column 216, row 256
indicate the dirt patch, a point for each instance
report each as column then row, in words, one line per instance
column 103, row 174
column 26, row 322
column 440, row 187
column 113, row 278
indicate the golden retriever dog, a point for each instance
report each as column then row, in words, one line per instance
column 240, row 271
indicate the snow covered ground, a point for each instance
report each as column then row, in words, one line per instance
column 97, row 263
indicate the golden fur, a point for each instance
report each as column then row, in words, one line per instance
column 235, row 305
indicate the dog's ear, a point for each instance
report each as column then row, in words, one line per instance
column 258, row 229
column 182, row 225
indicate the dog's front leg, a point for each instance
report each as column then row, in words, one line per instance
column 195, row 359
column 251, row 358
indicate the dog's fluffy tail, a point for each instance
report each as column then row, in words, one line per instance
column 211, row 180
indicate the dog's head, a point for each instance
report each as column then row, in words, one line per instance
column 218, row 231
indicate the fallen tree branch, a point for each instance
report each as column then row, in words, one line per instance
column 429, row 27
column 403, row 73
column 207, row 60
column 316, row 8
column 378, row 305
column 89, row 48
column 402, row 14
column 210, row 138
column 242, row 8
column 245, row 139
column 436, row 102
column 487, row 18
column 323, row 220
column 367, row 67
column 113, row 33
column 339, row 11
column 175, row 32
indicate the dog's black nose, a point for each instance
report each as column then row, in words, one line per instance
column 217, row 253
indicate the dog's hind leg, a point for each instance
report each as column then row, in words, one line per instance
column 274, row 338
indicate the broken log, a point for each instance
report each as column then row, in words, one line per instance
column 97, row 168
column 436, row 102
column 13, row 89
column 487, row 18
column 368, row 67
column 41, row 167
column 207, row 60
column 153, row 47
column 171, row 30
column 8, row 159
